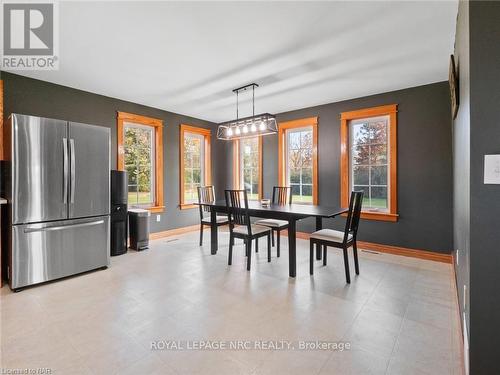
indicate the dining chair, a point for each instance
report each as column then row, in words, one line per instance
column 282, row 195
column 338, row 239
column 206, row 194
column 241, row 227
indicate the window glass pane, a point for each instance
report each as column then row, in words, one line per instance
column 194, row 162
column 361, row 155
column 369, row 160
column 294, row 140
column 360, row 133
column 378, row 197
column 306, row 175
column 378, row 131
column 295, row 189
column 378, row 175
column 378, row 154
column 300, row 163
column 250, row 166
column 139, row 163
column 294, row 175
column 361, row 175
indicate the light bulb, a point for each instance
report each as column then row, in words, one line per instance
column 229, row 132
column 253, row 128
column 262, row 126
column 245, row 129
column 237, row 131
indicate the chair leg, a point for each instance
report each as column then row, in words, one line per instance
column 311, row 257
column 355, row 252
column 249, row 252
column 272, row 236
column 246, row 247
column 201, row 234
column 324, row 254
column 278, row 235
column 230, row 256
column 346, row 265
column 256, row 245
column 269, row 246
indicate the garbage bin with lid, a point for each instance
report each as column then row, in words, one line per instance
column 138, row 220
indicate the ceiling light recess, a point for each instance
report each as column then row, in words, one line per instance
column 246, row 127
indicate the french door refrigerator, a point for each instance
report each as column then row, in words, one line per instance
column 58, row 199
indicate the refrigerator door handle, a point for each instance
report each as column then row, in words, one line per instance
column 62, row 227
column 65, row 170
column 72, row 186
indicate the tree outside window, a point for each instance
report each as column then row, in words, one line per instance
column 139, row 163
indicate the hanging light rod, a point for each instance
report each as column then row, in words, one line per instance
column 251, row 126
column 244, row 88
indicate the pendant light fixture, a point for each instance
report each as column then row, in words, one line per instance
column 246, row 127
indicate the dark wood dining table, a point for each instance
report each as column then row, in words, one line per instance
column 291, row 213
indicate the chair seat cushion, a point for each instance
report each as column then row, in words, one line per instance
column 330, row 235
column 272, row 223
column 256, row 229
column 219, row 219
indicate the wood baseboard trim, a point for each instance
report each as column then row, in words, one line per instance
column 389, row 249
column 396, row 250
column 174, row 232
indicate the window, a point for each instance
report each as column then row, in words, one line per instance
column 194, row 163
column 248, row 166
column 368, row 160
column 298, row 163
column 140, row 153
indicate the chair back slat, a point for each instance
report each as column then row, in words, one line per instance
column 352, row 222
column 237, row 208
column 206, row 194
column 282, row 195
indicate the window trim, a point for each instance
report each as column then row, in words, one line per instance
column 207, row 135
column 157, row 124
column 294, row 124
column 385, row 110
column 237, row 166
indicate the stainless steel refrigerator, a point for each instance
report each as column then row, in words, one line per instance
column 58, row 198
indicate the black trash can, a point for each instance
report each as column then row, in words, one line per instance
column 138, row 222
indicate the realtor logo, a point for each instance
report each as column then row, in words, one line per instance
column 29, row 35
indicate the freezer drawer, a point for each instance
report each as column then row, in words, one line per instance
column 48, row 251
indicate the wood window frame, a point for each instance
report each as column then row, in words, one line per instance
column 294, row 124
column 385, row 110
column 122, row 117
column 237, row 166
column 207, row 135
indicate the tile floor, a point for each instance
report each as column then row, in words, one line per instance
column 399, row 315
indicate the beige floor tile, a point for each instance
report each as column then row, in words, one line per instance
column 398, row 314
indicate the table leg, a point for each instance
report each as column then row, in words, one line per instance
column 292, row 251
column 319, row 226
column 213, row 232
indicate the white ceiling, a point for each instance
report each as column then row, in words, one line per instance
column 187, row 57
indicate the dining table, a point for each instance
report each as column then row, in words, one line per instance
column 289, row 212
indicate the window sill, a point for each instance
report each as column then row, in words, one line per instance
column 187, row 206
column 378, row 216
column 156, row 209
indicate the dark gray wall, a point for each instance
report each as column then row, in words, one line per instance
column 484, row 199
column 424, row 166
column 39, row 98
column 461, row 162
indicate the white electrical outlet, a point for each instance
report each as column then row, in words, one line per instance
column 158, row 218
